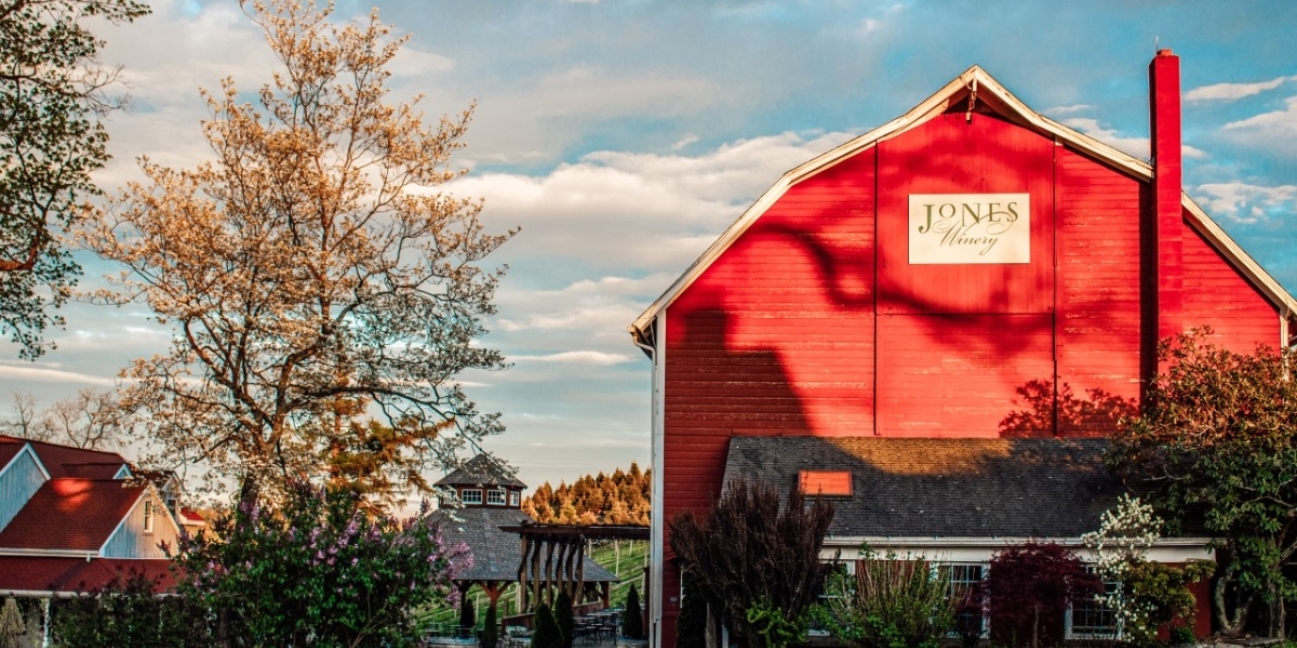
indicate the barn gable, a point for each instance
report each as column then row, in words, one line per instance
column 989, row 97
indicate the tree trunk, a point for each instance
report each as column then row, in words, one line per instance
column 1035, row 628
column 1230, row 626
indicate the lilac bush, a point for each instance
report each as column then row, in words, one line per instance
column 319, row 571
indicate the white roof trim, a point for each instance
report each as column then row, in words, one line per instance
column 27, row 448
column 54, row 553
column 42, row 594
column 124, row 472
column 975, row 76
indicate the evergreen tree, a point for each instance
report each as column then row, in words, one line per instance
column 691, row 627
column 564, row 617
column 491, row 631
column 467, row 615
column 545, row 631
column 632, row 624
column 619, row 498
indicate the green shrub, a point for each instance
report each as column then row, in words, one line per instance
column 1182, row 635
column 756, row 554
column 126, row 612
column 889, row 603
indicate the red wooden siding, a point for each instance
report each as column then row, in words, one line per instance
column 950, row 155
column 984, row 330
column 776, row 337
column 1216, row 294
column 1099, row 318
column 956, row 375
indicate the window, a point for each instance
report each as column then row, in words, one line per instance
column 471, row 496
column 148, row 516
column 820, row 483
column 495, row 497
column 1090, row 619
column 514, row 498
column 964, row 578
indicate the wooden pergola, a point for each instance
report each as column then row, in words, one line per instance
column 553, row 558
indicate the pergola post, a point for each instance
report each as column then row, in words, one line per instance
column 580, row 566
column 535, row 575
column 549, row 571
column 523, row 600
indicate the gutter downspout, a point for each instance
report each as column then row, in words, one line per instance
column 657, row 531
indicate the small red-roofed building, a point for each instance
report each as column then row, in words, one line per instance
column 72, row 520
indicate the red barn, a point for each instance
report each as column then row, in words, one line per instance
column 944, row 279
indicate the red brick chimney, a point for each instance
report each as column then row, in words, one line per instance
column 1168, row 221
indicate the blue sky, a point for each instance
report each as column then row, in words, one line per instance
column 624, row 135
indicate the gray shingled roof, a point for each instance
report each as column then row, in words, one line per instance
column 481, row 470
column 944, row 487
column 496, row 553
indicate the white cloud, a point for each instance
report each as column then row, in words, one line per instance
column 616, row 210
column 577, row 357
column 684, row 141
column 45, row 374
column 1135, row 146
column 1247, row 203
column 1276, row 123
column 1233, row 91
column 1068, row 110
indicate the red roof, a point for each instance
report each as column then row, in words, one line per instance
column 67, row 461
column 190, row 516
column 44, row 574
column 71, row 514
column 9, row 448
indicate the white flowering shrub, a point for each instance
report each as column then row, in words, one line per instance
column 1151, row 593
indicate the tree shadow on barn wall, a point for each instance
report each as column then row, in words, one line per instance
column 1059, row 412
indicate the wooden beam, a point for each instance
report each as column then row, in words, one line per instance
column 524, row 603
column 535, row 574
column 549, row 571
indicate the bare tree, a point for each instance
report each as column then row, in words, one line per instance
column 93, row 420
column 313, row 272
column 23, row 420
